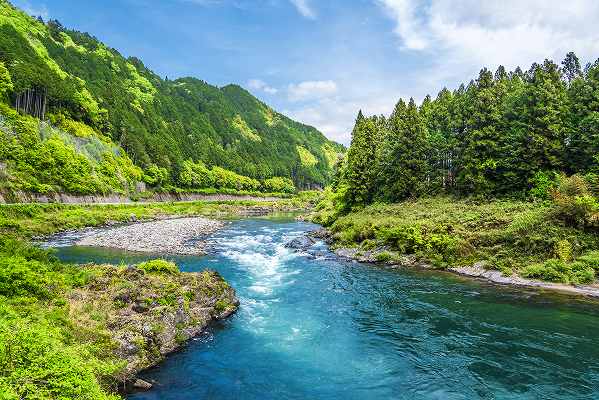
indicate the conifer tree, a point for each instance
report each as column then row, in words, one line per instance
column 405, row 167
column 543, row 115
column 583, row 142
column 360, row 171
column 571, row 67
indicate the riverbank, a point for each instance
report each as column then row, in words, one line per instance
column 505, row 242
column 477, row 271
column 27, row 221
column 181, row 236
column 17, row 197
column 85, row 331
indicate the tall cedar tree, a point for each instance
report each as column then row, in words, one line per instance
column 404, row 171
column 360, row 172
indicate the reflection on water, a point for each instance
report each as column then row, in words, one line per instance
column 318, row 328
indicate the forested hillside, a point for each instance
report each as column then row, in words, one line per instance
column 503, row 134
column 96, row 103
column 501, row 173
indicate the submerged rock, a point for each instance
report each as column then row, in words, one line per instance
column 141, row 385
column 300, row 243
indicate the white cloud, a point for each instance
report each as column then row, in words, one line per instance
column 258, row 84
column 39, row 11
column 304, row 8
column 311, row 90
column 335, row 116
column 467, row 35
column 407, row 22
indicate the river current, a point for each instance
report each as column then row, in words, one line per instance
column 311, row 326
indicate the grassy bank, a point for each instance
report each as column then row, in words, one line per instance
column 27, row 220
column 56, row 341
column 530, row 239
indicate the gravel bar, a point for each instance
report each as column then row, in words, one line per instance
column 171, row 236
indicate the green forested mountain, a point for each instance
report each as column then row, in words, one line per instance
column 95, row 99
column 503, row 134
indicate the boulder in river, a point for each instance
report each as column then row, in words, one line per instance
column 301, row 243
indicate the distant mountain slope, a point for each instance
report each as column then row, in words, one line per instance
column 71, row 77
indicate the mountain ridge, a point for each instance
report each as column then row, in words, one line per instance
column 82, row 85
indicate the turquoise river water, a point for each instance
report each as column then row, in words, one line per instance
column 311, row 326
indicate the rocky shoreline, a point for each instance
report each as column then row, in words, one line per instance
column 178, row 236
column 476, row 271
column 147, row 314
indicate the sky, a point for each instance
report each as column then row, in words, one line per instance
column 320, row 61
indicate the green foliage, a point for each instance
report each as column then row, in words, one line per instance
column 155, row 175
column 574, row 203
column 6, row 85
column 196, row 175
column 359, row 173
column 37, row 362
column 42, row 158
column 542, row 184
column 278, row 185
column 224, row 179
column 511, row 236
column 556, row 270
column 159, row 267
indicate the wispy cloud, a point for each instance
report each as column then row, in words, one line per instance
column 311, row 90
column 470, row 34
column 304, row 8
column 258, row 84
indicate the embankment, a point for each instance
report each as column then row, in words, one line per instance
column 24, row 197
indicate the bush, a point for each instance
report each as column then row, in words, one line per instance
column 555, row 270
column 155, row 175
column 196, row 175
column 542, row 184
column 590, row 260
column 278, row 185
column 385, row 256
column 37, row 364
column 159, row 267
column 573, row 202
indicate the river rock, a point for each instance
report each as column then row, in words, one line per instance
column 300, row 243
column 141, row 385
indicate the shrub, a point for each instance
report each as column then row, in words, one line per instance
column 542, row 183
column 573, row 202
column 385, row 256
column 590, row 260
column 555, row 270
column 278, row 185
column 159, row 267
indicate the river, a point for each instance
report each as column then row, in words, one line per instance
column 311, row 326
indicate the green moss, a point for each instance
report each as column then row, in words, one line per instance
column 159, row 267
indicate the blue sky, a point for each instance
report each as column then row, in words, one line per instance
column 320, row 61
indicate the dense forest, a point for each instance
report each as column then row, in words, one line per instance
column 505, row 134
column 77, row 116
column 502, row 173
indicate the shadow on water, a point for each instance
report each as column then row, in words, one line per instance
column 322, row 328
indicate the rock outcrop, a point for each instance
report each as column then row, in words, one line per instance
column 147, row 315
